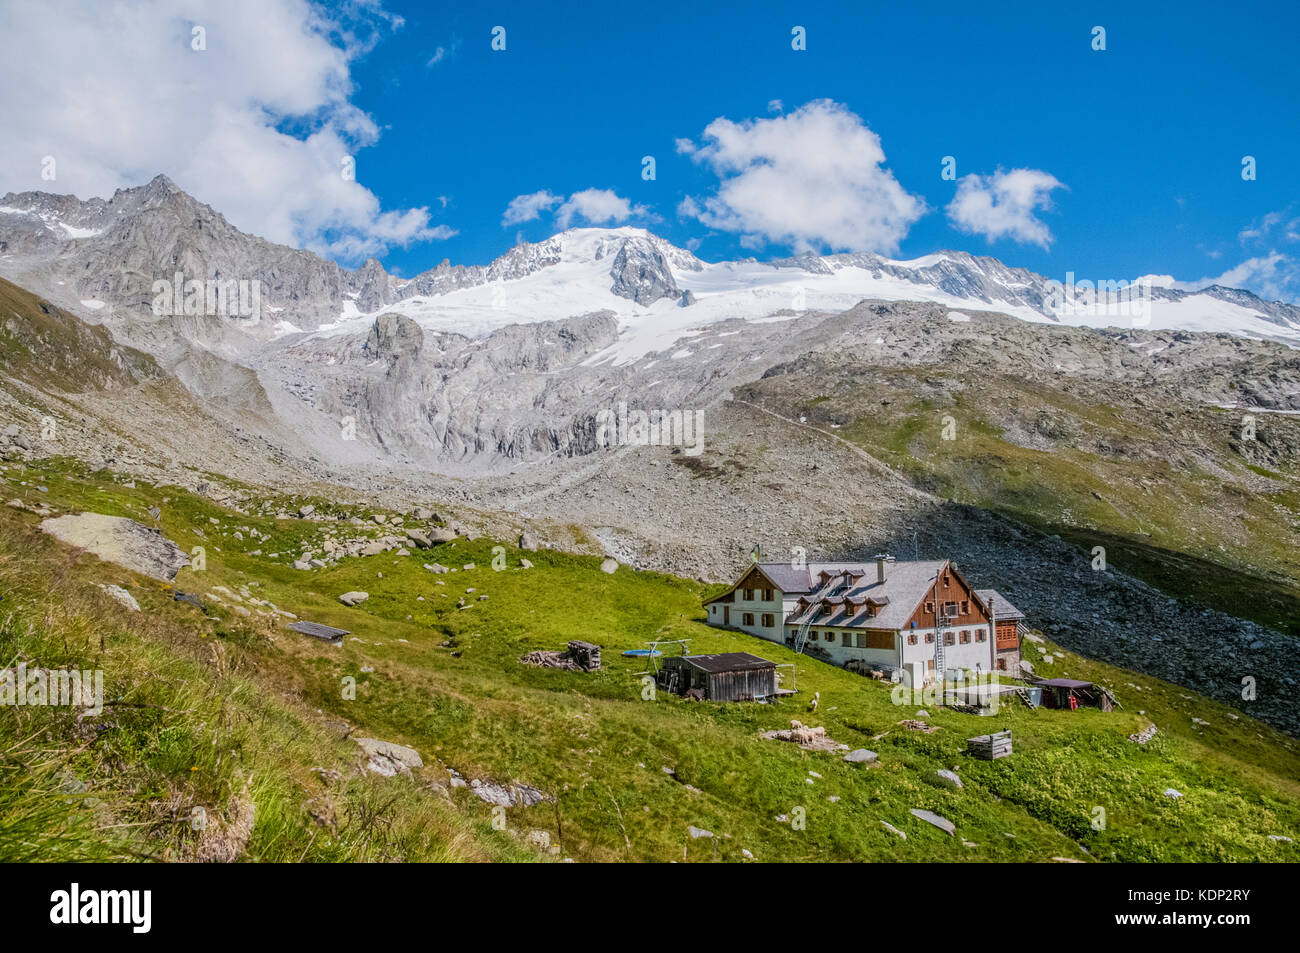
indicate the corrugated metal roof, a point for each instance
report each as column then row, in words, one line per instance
column 1002, row 609
column 1064, row 683
column 727, row 662
column 316, row 630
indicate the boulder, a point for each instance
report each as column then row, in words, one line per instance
column 119, row 540
column 354, row 598
column 122, row 596
column 609, row 565
column 893, row 830
column 441, row 535
column 388, row 759
column 861, row 756
column 930, row 817
column 949, row 778
column 419, row 537
column 528, row 541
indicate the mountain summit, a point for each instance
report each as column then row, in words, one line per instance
column 109, row 253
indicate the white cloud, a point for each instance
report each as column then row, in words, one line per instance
column 256, row 125
column 590, row 206
column 1003, row 205
column 598, row 207
column 1260, row 229
column 526, row 208
column 444, row 52
column 810, row 179
column 1274, row 277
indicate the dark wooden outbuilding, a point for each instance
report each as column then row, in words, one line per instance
column 1070, row 693
column 726, row 677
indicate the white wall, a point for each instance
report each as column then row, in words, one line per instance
column 776, row 608
column 966, row 656
column 841, row 653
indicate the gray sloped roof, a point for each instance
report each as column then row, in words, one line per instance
column 1002, row 609
column 904, row 588
column 727, row 662
column 319, row 630
column 787, row 578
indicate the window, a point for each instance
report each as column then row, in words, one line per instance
column 767, row 595
column 965, row 606
column 847, row 639
column 911, row 639
column 768, row 620
column 812, row 636
column 929, row 607
column 862, row 640
column 1002, row 665
column 747, row 618
column 749, row 595
column 948, row 639
column 965, row 636
column 950, row 610
column 981, row 635
column 929, row 637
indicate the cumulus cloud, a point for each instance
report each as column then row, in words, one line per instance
column 526, row 208
column 590, row 206
column 258, row 124
column 598, row 207
column 809, row 179
column 1274, row 277
column 1003, row 205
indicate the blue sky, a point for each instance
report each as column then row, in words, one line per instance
column 1116, row 163
column 1147, row 136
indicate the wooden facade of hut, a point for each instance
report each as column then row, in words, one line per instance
column 727, row 677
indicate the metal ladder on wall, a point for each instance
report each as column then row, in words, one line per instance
column 801, row 634
column 940, row 630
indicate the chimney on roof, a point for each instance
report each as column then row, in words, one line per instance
column 882, row 566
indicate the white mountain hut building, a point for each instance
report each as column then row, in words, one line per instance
column 913, row 618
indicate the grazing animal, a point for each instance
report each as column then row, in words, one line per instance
column 816, row 700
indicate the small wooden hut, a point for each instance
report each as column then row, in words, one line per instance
column 1070, row 693
column 726, row 677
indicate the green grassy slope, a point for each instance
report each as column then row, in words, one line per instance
column 205, row 707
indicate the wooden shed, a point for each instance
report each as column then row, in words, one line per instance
column 726, row 677
column 1071, row 693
